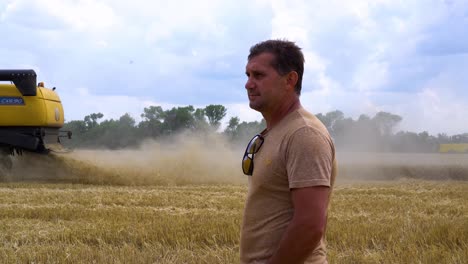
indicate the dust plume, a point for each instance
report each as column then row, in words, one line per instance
column 178, row 160
column 369, row 166
column 210, row 159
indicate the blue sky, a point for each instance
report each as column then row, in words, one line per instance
column 363, row 56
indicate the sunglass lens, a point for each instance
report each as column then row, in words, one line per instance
column 254, row 145
column 247, row 165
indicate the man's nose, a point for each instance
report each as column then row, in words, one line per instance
column 249, row 84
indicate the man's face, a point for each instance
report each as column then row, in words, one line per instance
column 265, row 87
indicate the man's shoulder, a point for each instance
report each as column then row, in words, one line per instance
column 303, row 119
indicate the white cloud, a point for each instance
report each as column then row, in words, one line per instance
column 81, row 102
column 441, row 108
column 243, row 111
column 81, row 15
column 362, row 56
column 371, row 76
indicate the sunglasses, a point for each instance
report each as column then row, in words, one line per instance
column 247, row 162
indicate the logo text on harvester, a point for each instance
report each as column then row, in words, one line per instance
column 11, row 101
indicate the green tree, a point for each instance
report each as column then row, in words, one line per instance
column 91, row 120
column 114, row 134
column 153, row 113
column 179, row 118
column 200, row 120
column 199, row 114
column 152, row 123
column 386, row 122
column 245, row 130
column 231, row 129
column 78, row 129
column 215, row 113
column 330, row 119
column 126, row 132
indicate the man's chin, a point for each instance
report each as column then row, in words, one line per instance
column 254, row 106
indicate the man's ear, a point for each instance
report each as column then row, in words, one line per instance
column 291, row 79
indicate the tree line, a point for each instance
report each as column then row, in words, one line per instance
column 365, row 133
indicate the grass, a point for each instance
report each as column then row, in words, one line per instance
column 404, row 221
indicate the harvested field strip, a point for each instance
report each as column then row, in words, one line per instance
column 385, row 222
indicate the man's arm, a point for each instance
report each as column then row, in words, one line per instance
column 307, row 226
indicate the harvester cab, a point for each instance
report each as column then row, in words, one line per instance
column 31, row 116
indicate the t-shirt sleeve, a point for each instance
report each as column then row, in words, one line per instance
column 309, row 158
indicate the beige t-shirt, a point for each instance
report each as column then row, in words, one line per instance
column 297, row 152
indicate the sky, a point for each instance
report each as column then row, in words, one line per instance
column 407, row 57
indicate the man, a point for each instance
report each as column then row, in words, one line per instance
column 291, row 163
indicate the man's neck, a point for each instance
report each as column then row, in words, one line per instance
column 272, row 119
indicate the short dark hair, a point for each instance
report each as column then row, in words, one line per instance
column 288, row 57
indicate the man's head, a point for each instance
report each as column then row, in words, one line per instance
column 287, row 57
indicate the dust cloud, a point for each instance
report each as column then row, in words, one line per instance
column 363, row 154
column 368, row 166
column 210, row 159
column 179, row 160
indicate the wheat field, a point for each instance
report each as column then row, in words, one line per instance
column 392, row 222
column 92, row 207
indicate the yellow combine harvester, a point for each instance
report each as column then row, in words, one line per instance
column 30, row 116
column 453, row 148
